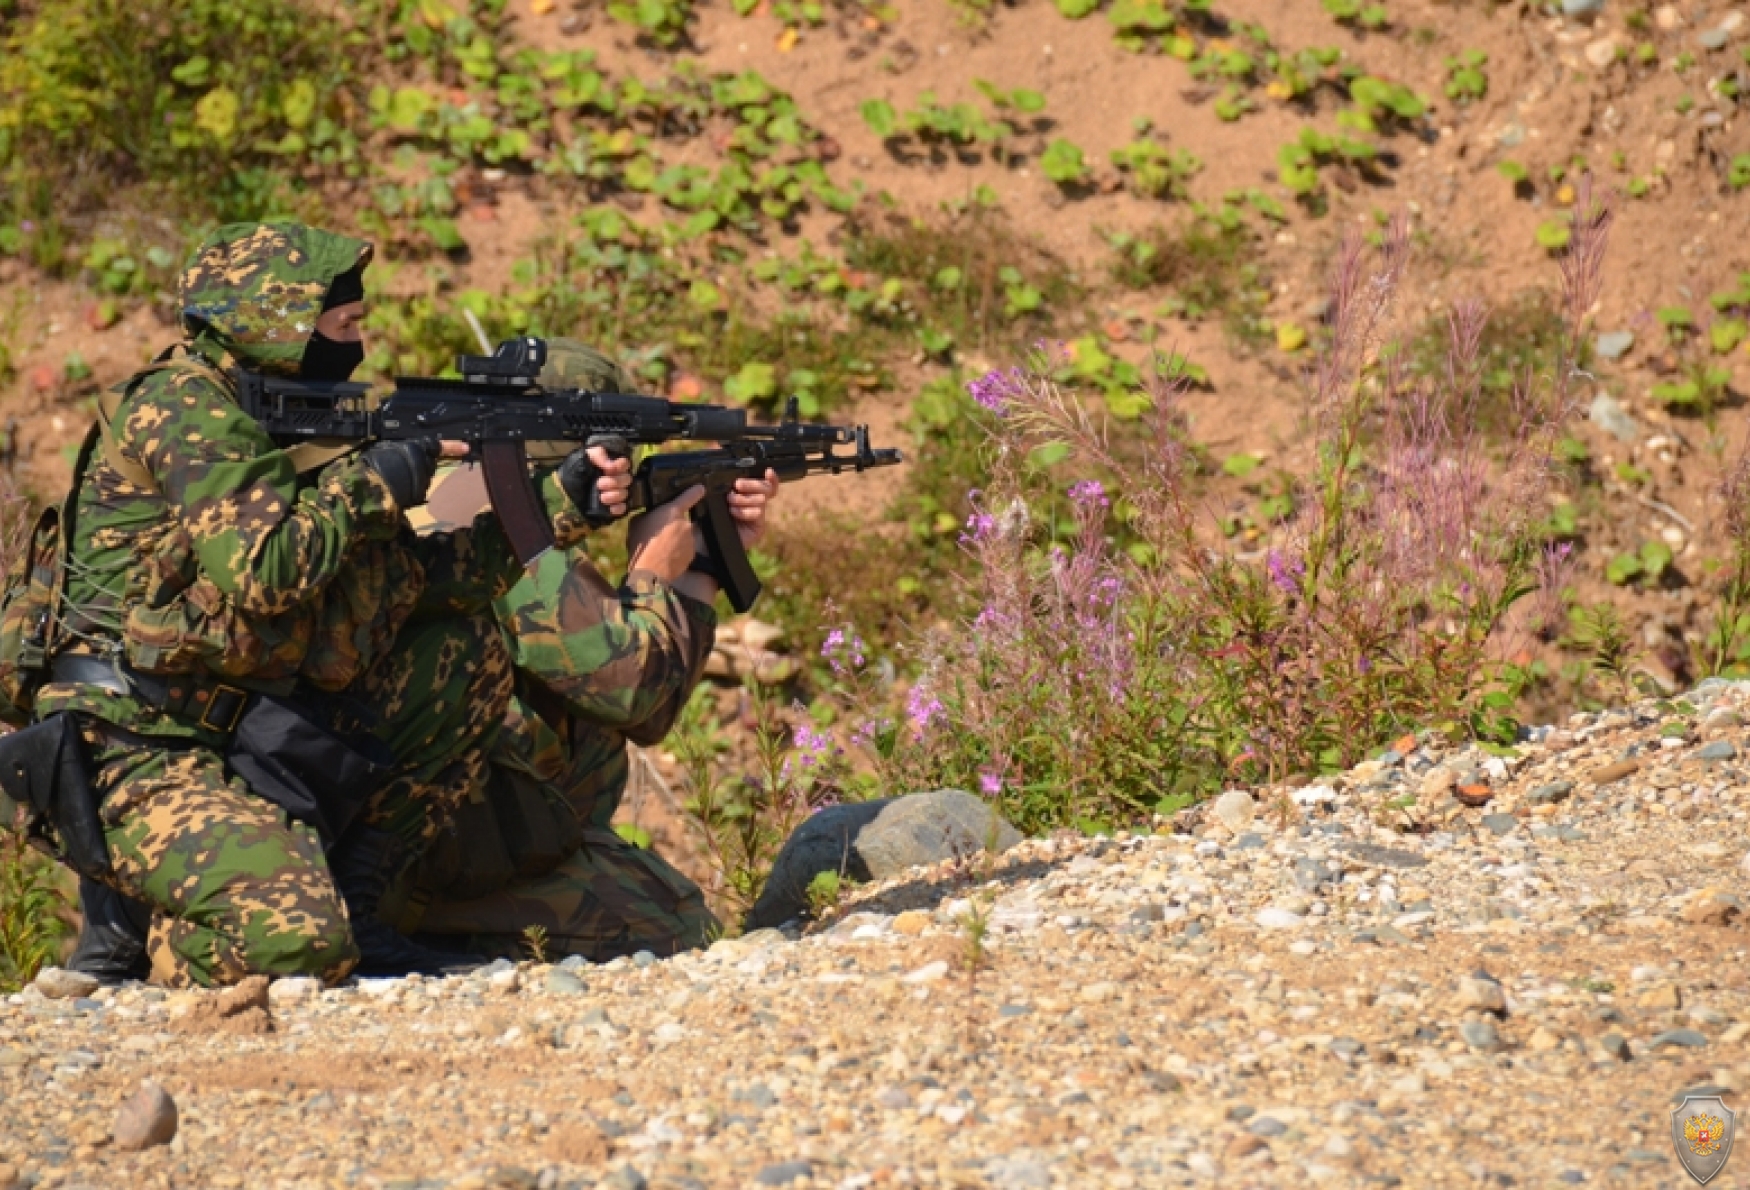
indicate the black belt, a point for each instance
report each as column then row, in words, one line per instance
column 213, row 704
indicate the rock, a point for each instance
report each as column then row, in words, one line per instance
column 1609, row 773
column 1712, row 39
column 911, row 923
column 1667, row 17
column 564, row 983
column 1438, row 780
column 242, row 1010
column 1548, row 795
column 1278, row 919
column 1543, row 1040
column 1710, row 907
column 148, row 1118
column 1235, row 809
column 874, row 841
column 1607, row 413
column 1732, row 22
column 783, row 1173
column 1375, row 856
column 1018, row 1172
column 1245, row 1144
column 1600, row 54
column 1481, row 992
column 54, row 983
column 757, row 634
column 1266, row 1126
column 1582, row 8
column 1661, row 997
column 294, row 989
column 1500, row 824
column 1480, row 1035
column 929, row 972
column 623, row 1178
column 1718, row 750
column 1684, row 1038
column 1616, row 1045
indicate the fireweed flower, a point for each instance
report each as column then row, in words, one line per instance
column 1090, row 493
column 811, row 748
column 990, row 782
column 921, row 708
column 996, row 388
column 1285, row 573
column 841, row 648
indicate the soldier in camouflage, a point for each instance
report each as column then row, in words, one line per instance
column 205, row 569
column 597, row 667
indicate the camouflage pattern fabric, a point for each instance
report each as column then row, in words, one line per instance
column 439, row 701
column 603, row 665
column 223, row 567
column 236, row 888
column 608, row 899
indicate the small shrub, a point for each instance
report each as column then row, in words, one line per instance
column 1097, row 684
column 33, row 902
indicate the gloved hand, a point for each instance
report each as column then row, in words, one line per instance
column 406, row 467
column 597, row 482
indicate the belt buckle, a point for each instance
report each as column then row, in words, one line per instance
column 241, row 698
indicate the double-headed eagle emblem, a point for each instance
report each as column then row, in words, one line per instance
column 1703, row 1132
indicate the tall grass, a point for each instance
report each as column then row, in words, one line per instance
column 1098, row 684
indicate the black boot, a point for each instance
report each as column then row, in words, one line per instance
column 364, row 864
column 112, row 942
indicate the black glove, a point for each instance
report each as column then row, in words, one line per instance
column 578, row 476
column 406, row 466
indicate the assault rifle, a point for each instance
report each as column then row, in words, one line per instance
column 498, row 406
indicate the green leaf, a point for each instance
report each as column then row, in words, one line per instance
column 1075, row 10
column 1047, row 454
column 878, row 114
column 1173, row 803
column 754, row 382
column 1240, row 465
column 1727, row 333
column 298, row 105
column 634, row 834
column 1623, row 569
column 1656, row 557
column 1062, row 162
column 1677, row 317
column 1554, row 234
column 216, row 114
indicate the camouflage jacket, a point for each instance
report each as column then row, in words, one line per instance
column 235, row 564
column 597, row 666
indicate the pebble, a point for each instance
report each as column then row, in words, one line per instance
column 1712, row 39
column 1480, row 1035
column 1500, row 824
column 1611, row 345
column 1273, row 918
column 1550, row 794
column 561, row 982
column 55, row 983
column 1685, row 1038
column 783, row 1173
column 929, row 972
column 1482, row 993
column 296, row 989
column 148, row 1118
column 1235, row 810
column 1718, row 750
column 1616, row 1045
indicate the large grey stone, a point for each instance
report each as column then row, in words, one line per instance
column 1608, row 414
column 876, row 840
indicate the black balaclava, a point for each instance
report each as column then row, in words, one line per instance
column 331, row 359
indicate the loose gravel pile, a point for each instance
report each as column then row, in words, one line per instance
column 1443, row 968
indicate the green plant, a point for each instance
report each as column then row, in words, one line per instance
column 32, row 902
column 1738, row 174
column 1298, row 162
column 1599, row 632
column 1062, row 162
column 1647, row 565
column 824, row 893
column 1153, row 170
column 1212, row 262
column 535, row 942
column 1357, row 12
column 1554, row 235
column 1465, row 80
column 663, row 22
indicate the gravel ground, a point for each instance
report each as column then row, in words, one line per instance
column 1328, row 986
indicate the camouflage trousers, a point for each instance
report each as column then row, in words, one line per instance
column 610, row 898
column 235, row 887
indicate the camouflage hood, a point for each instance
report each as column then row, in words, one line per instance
column 571, row 364
column 254, row 290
